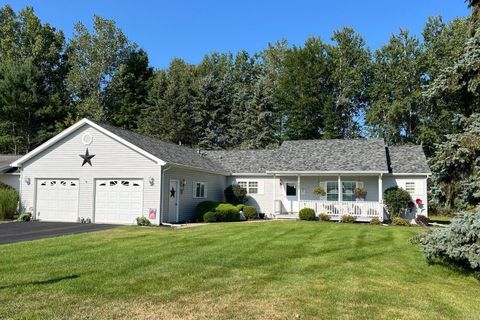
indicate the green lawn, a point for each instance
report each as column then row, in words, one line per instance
column 265, row 270
column 441, row 219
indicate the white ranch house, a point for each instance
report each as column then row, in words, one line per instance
column 104, row 174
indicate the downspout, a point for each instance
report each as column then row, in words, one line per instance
column 162, row 185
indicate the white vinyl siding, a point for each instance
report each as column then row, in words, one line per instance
column 113, row 160
column 187, row 201
column 199, row 189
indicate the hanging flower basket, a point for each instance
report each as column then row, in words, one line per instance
column 360, row 193
column 319, row 191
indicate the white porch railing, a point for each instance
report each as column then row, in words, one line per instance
column 362, row 210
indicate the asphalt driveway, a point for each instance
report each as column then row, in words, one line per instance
column 25, row 231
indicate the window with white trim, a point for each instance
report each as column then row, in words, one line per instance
column 410, row 186
column 199, row 189
column 347, row 192
column 332, row 190
column 243, row 184
column 252, row 187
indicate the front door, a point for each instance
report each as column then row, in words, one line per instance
column 291, row 196
column 173, row 201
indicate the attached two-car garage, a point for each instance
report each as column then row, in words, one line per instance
column 116, row 200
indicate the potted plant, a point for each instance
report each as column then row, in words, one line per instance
column 319, row 191
column 360, row 193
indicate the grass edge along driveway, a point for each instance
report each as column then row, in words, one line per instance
column 270, row 270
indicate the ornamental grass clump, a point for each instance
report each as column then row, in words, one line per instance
column 458, row 244
column 8, row 203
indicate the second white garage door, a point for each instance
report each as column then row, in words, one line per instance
column 118, row 200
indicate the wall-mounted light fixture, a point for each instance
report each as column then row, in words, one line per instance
column 183, row 183
column 151, row 180
column 281, row 182
column 27, row 180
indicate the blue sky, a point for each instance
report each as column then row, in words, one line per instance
column 190, row 29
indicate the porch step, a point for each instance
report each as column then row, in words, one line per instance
column 285, row 216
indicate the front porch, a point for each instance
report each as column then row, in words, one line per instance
column 296, row 192
column 361, row 210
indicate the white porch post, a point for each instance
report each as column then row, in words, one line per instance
column 274, row 192
column 380, row 195
column 380, row 188
column 298, row 191
column 340, row 188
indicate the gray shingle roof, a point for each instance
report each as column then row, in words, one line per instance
column 169, row 152
column 307, row 155
column 336, row 155
column 408, row 159
column 5, row 161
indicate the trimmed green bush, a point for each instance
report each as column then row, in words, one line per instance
column 143, row 221
column 222, row 211
column 210, row 217
column 236, row 194
column 8, row 203
column 375, row 221
column 204, row 207
column 396, row 199
column 348, row 219
column 459, row 243
column 227, row 215
column 250, row 212
column 307, row 214
column 399, row 221
column 324, row 217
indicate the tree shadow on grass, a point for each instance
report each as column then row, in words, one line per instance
column 41, row 282
column 463, row 270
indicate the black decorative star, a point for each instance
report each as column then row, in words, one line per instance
column 87, row 157
column 172, row 193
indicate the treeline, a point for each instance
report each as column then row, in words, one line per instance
column 407, row 91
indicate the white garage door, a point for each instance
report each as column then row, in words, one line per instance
column 57, row 199
column 118, row 200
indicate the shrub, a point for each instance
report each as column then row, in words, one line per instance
column 399, row 221
column 236, row 194
column 250, row 212
column 347, row 219
column 204, row 207
column 422, row 220
column 227, row 215
column 319, row 191
column 143, row 221
column 222, row 215
column 307, row 214
column 25, row 217
column 459, row 243
column 8, row 203
column 375, row 221
column 210, row 217
column 396, row 199
column 324, row 217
